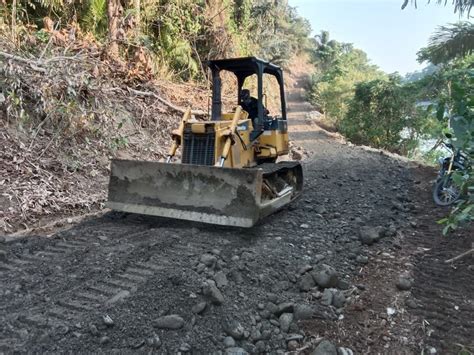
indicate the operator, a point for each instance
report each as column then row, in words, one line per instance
column 250, row 104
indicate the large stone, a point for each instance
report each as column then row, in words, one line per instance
column 404, row 283
column 325, row 348
column 199, row 307
column 293, row 345
column 260, row 347
column 220, row 279
column 325, row 276
column 326, row 298
column 302, row 312
column 338, row 299
column 210, row 290
column 229, row 342
column 362, row 259
column 285, row 321
column 208, row 259
column 234, row 329
column 154, row 341
column 172, row 321
column 369, row 235
column 306, row 282
column 304, row 269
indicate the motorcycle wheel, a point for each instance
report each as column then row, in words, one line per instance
column 445, row 192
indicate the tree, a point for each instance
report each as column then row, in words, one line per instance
column 326, row 51
column 114, row 14
column 460, row 6
column 378, row 113
column 340, row 67
column 448, row 43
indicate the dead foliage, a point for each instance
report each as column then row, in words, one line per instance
column 65, row 110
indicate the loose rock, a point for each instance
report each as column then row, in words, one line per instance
column 338, row 299
column 304, row 269
column 234, row 329
column 369, row 235
column 404, row 283
column 185, row 347
column 208, row 259
column 344, row 351
column 285, row 321
column 302, row 312
column 210, row 290
column 326, row 298
column 325, row 348
column 199, row 308
column 154, row 341
column 293, row 345
column 307, row 282
column 326, row 276
column 229, row 342
column 260, row 346
column 172, row 321
column 107, row 320
column 220, row 279
column 235, row 351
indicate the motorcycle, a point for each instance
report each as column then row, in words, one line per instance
column 445, row 191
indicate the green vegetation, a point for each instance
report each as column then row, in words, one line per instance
column 387, row 111
column 340, row 67
column 173, row 38
column 176, row 36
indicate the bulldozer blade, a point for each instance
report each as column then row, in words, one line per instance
column 206, row 194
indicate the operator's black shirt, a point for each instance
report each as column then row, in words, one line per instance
column 251, row 107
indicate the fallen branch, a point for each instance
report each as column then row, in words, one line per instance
column 33, row 64
column 466, row 253
column 165, row 102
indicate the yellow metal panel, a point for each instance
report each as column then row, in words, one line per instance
column 229, row 115
column 276, row 139
column 198, row 128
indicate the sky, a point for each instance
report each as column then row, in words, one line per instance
column 390, row 36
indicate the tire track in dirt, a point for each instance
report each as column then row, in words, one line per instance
column 443, row 291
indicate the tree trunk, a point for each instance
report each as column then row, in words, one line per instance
column 14, row 21
column 136, row 6
column 114, row 14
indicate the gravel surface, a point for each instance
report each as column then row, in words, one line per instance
column 331, row 272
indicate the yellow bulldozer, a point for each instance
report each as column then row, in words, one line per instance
column 228, row 173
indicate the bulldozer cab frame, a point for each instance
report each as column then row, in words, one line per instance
column 243, row 68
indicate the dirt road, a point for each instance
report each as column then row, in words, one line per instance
column 326, row 267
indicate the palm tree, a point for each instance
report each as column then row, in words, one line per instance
column 448, row 43
column 461, row 6
column 326, row 50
